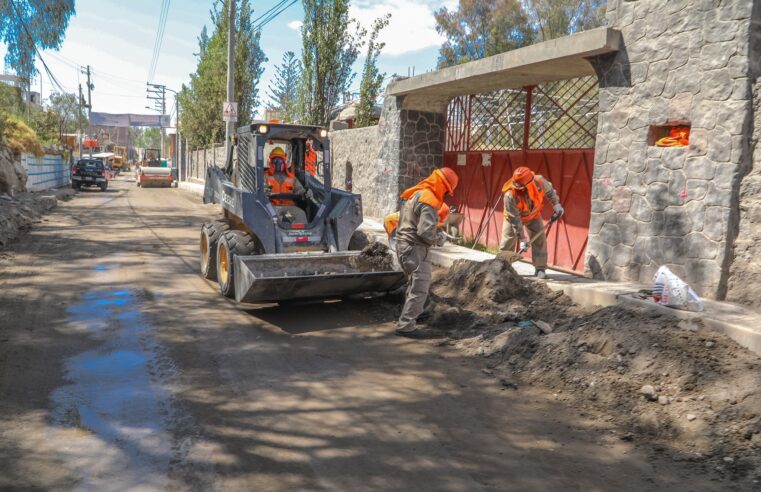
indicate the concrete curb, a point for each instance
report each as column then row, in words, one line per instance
column 738, row 323
column 191, row 187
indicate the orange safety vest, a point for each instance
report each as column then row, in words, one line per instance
column 287, row 185
column 529, row 209
column 310, row 162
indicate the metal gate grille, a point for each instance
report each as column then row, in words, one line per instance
column 551, row 129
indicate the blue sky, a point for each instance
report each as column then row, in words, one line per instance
column 116, row 39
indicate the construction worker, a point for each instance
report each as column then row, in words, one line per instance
column 391, row 222
column 524, row 196
column 416, row 233
column 281, row 179
column 310, row 159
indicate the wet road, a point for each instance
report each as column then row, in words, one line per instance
column 121, row 369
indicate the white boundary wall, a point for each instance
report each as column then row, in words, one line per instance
column 46, row 172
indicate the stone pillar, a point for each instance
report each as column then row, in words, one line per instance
column 412, row 141
column 684, row 62
column 745, row 271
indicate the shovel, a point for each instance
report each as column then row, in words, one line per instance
column 512, row 256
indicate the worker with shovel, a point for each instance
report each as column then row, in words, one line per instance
column 416, row 233
column 524, row 196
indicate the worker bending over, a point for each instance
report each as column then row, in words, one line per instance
column 524, row 196
column 416, row 233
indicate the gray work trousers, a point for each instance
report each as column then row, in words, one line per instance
column 538, row 250
column 417, row 266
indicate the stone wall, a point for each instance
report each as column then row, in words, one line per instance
column 745, row 271
column 356, row 156
column 683, row 62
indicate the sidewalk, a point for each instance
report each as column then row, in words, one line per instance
column 737, row 322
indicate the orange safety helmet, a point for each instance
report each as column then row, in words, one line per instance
column 522, row 176
column 450, row 178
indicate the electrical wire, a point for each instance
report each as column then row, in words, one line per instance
column 159, row 39
column 270, row 17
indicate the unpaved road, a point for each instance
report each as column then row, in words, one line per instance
column 120, row 368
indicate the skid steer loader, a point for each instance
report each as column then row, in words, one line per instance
column 262, row 252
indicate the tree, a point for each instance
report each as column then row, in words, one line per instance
column 64, row 111
column 283, row 90
column 328, row 54
column 372, row 79
column 147, row 138
column 481, row 28
column 26, row 25
column 201, row 100
column 556, row 18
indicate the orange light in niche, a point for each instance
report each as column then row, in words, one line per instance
column 679, row 136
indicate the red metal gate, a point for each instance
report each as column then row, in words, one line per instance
column 550, row 129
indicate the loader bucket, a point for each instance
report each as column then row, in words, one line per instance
column 280, row 277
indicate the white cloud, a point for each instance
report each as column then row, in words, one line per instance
column 412, row 26
column 295, row 25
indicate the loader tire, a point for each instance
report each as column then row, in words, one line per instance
column 210, row 234
column 231, row 244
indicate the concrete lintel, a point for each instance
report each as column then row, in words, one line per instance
column 557, row 59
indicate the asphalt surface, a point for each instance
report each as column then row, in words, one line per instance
column 122, row 369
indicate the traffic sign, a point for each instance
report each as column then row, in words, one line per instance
column 230, row 111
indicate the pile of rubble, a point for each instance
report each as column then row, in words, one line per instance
column 673, row 386
column 18, row 213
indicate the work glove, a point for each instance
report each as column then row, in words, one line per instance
column 558, row 211
column 309, row 195
column 524, row 246
column 441, row 239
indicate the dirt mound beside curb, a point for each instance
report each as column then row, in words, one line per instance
column 673, row 386
column 20, row 212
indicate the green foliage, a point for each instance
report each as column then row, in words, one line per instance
column 63, row 109
column 25, row 24
column 283, row 90
column 556, row 18
column 372, row 79
column 18, row 137
column 328, row 54
column 11, row 100
column 201, row 100
column 481, row 28
column 147, row 138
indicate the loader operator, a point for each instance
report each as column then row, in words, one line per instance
column 416, row 233
column 280, row 179
column 524, row 196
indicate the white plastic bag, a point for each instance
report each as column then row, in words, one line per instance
column 670, row 290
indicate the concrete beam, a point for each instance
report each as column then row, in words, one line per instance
column 557, row 59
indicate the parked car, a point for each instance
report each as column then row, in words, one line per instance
column 89, row 172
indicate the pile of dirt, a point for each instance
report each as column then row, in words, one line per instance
column 473, row 294
column 675, row 387
column 18, row 213
column 375, row 256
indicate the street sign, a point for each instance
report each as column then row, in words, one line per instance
column 230, row 111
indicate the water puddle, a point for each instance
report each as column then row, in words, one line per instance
column 114, row 414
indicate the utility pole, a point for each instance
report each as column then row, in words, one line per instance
column 79, row 121
column 230, row 125
column 90, row 87
column 157, row 93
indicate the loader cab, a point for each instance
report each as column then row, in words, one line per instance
column 308, row 162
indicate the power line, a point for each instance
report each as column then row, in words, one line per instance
column 159, row 39
column 271, row 16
